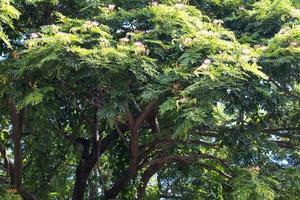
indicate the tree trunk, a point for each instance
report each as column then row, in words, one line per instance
column 83, row 171
column 133, row 152
column 87, row 164
column 88, row 160
column 16, row 118
column 80, row 181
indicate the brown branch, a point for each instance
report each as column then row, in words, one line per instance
column 137, row 107
column 285, row 144
column 121, row 135
column 95, row 134
column 148, row 148
column 144, row 114
column 129, row 116
column 150, row 171
column 159, row 163
column 125, row 177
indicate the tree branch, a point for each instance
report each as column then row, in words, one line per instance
column 121, row 135
column 160, row 163
column 148, row 148
column 144, row 114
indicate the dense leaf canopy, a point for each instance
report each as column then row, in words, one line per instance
column 170, row 99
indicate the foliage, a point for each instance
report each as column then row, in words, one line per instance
column 170, row 99
column 7, row 14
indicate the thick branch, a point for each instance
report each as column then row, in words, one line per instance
column 159, row 163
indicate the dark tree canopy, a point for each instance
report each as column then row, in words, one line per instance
column 138, row 99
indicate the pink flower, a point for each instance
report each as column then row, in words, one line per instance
column 284, row 30
column 263, row 48
column 111, row 7
column 241, row 8
column 246, row 51
column 207, row 61
column 294, row 44
column 54, row 29
column 34, row 35
column 138, row 31
column 94, row 23
column 139, row 44
column 257, row 46
column 179, row 6
column 124, row 40
column 207, row 33
column 146, row 52
column 154, row 3
column 187, row 41
column 218, row 21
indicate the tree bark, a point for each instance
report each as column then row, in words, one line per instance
column 83, row 171
column 133, row 152
column 16, row 118
column 80, row 181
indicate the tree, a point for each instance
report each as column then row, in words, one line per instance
column 7, row 15
column 156, row 100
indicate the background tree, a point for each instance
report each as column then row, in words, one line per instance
column 149, row 100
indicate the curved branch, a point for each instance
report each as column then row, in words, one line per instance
column 160, row 163
column 173, row 142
